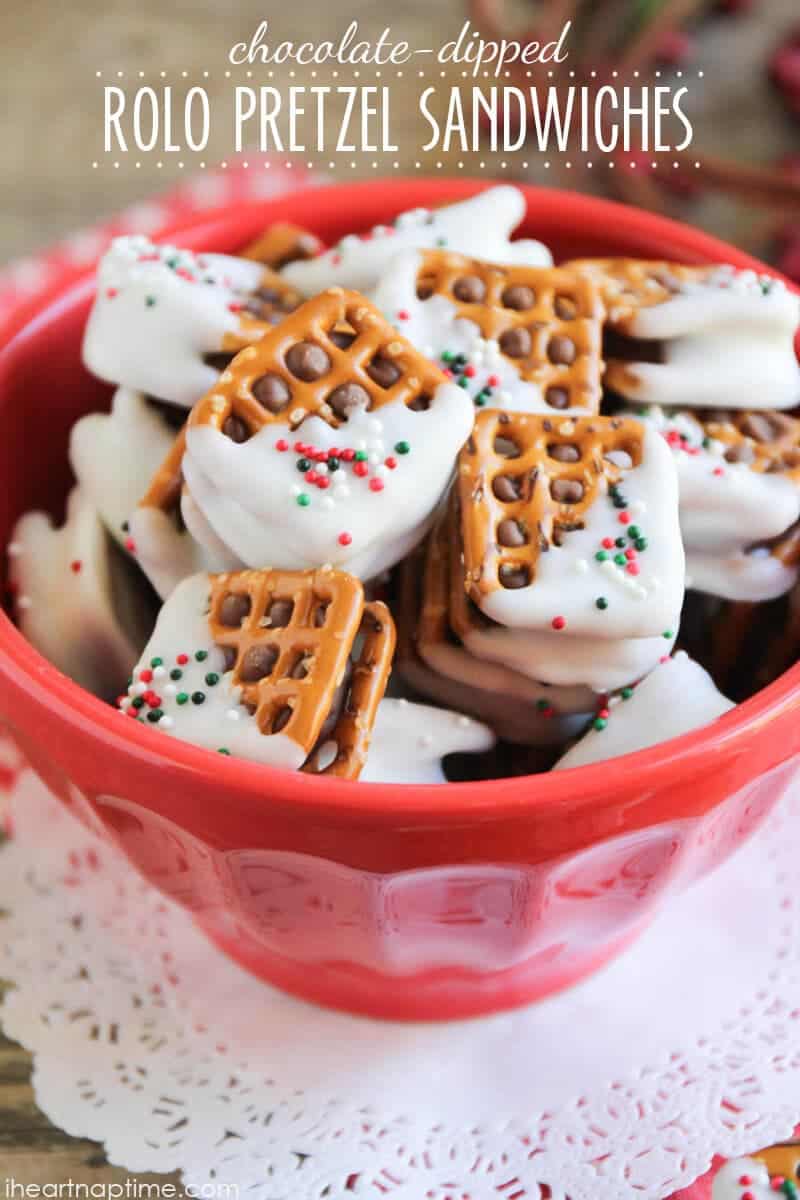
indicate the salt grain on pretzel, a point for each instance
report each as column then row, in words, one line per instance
column 682, row 335
column 331, row 440
column 165, row 321
column 522, row 338
column 257, row 663
column 571, row 526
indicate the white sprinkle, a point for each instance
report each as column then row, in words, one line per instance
column 343, row 492
column 581, row 566
column 328, row 502
column 233, row 714
column 637, row 506
column 296, row 489
column 24, row 602
column 426, row 741
column 375, row 424
column 169, row 689
column 166, row 723
column 137, row 689
column 382, row 469
column 159, row 672
column 14, row 549
column 464, row 722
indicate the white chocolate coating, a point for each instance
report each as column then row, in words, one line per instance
column 602, row 664
column 115, row 454
column 249, row 492
column 433, row 326
column 410, row 740
column 157, row 311
column 569, row 579
column 727, row 1185
column 728, row 339
column 75, row 601
column 220, row 721
column 481, row 226
column 725, row 509
column 676, row 697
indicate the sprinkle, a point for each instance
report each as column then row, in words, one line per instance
column 303, row 465
column 310, row 476
column 75, row 566
column 348, row 455
column 212, row 678
column 111, row 293
column 154, row 716
column 601, row 603
column 361, row 456
column 137, row 702
column 169, row 689
column 345, row 538
column 130, row 545
column 469, row 372
column 601, row 556
column 176, row 673
column 402, row 447
column 608, row 543
column 182, row 659
column 599, row 723
column 620, row 560
column 624, row 518
column 198, row 697
column 632, row 568
column 152, row 699
column 146, row 676
column 390, row 462
column 667, row 633
column 303, row 500
column 626, row 693
column 166, row 723
column 640, row 543
column 376, row 484
column 361, row 469
column 558, row 623
column 233, row 714
column 282, row 445
column 323, row 482
column 403, row 315
column 634, row 532
column 201, row 655
column 156, row 662
column 182, row 698
column 300, row 448
column 630, row 553
column 620, row 543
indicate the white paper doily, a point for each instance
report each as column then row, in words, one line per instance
column 147, row 1039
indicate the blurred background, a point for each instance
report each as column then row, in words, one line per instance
column 746, row 107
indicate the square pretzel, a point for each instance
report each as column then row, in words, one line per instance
column 547, row 321
column 281, row 244
column 527, row 481
column 334, row 352
column 287, row 637
column 627, row 285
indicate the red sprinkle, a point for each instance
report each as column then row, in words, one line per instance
column 608, row 543
column 632, row 568
column 130, row 545
column 146, row 675
column 182, row 659
column 493, row 381
column 630, row 553
column 558, row 622
column 403, row 315
column 132, row 712
column 749, row 1195
column 664, row 658
column 185, row 273
column 75, row 566
column 323, row 482
column 348, row 455
column 320, row 456
column 744, row 1181
column 333, row 453
column 151, row 699
column 121, row 700
column 281, row 445
column 345, row 539
column 624, row 518
column 361, row 469
column 111, row 293
column 448, row 374
column 603, row 713
column 300, row 448
column 234, row 306
column 469, row 372
column 718, row 471
column 311, row 476
column 375, row 484
column 391, row 462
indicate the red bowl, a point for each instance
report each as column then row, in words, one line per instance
column 404, row 902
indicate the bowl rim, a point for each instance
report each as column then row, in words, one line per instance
column 569, row 790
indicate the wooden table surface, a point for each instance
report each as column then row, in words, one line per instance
column 49, row 99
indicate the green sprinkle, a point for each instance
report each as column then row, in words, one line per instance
column 201, row 655
column 138, row 702
column 619, row 543
column 599, row 723
column 223, row 750
column 667, row 634
column 172, row 263
column 156, row 662
column 601, row 555
column 641, row 543
column 212, row 678
column 182, row 698
column 441, row 241
column 150, row 301
column 198, row 697
column 361, row 456
column 402, row 447
column 154, row 715
column 706, row 442
column 642, row 412
column 626, row 693
column 601, row 603
column 619, row 501
column 543, row 705
column 634, row 532
column 303, row 500
column 463, row 382
column 620, row 560
column 176, row 673
column 479, row 401
column 125, row 527
column 447, row 356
